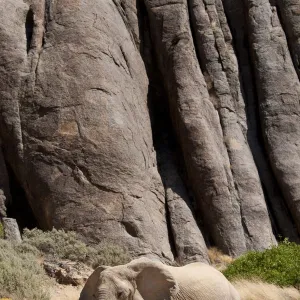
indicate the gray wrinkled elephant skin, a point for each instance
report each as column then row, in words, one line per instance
column 143, row 279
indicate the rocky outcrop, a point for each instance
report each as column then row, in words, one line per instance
column 68, row 272
column 278, row 94
column 3, row 205
column 85, row 153
column 282, row 221
column 92, row 93
column 11, row 230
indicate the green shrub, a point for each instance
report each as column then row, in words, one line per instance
column 66, row 245
column 279, row 265
column 21, row 276
column 27, row 248
column 56, row 243
column 1, row 231
column 107, row 254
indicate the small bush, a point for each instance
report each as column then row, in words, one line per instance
column 66, row 245
column 1, row 231
column 21, row 276
column 27, row 248
column 279, row 265
column 56, row 243
column 107, row 254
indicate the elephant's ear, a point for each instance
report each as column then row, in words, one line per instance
column 153, row 279
column 90, row 286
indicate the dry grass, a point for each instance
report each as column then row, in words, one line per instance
column 21, row 276
column 258, row 290
column 218, row 259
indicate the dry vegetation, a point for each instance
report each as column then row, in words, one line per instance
column 21, row 276
column 258, row 290
column 58, row 244
column 218, row 259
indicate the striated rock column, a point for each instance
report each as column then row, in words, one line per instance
column 187, row 238
column 217, row 58
column 197, row 124
column 235, row 12
column 278, row 91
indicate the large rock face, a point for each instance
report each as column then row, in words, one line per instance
column 163, row 126
column 85, row 154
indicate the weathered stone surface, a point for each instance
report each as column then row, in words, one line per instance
column 289, row 12
column 82, row 85
column 188, row 240
column 214, row 45
column 2, row 205
column 185, row 236
column 278, row 91
column 235, row 13
column 196, row 124
column 86, row 153
column 11, row 230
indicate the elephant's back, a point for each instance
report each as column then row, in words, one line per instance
column 198, row 281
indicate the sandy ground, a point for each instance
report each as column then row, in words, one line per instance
column 65, row 292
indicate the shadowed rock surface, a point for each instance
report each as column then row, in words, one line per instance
column 165, row 126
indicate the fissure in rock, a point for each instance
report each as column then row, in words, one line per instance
column 19, row 207
column 29, row 28
column 157, row 104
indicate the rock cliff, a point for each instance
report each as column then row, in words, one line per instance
column 163, row 125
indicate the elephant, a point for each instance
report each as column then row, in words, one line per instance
column 145, row 279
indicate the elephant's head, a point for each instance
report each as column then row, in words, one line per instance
column 138, row 280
